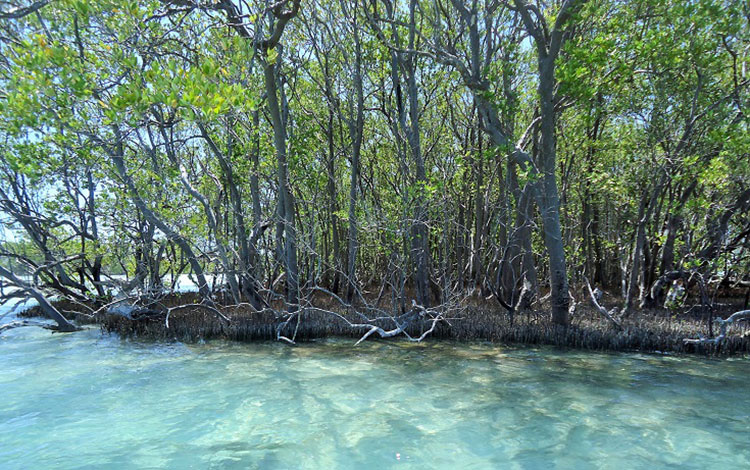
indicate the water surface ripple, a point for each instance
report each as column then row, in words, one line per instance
column 86, row 401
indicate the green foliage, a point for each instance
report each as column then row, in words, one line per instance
column 644, row 89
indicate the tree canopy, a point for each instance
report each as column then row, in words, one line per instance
column 380, row 152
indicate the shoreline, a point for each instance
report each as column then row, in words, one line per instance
column 643, row 332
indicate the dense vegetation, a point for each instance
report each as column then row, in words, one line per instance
column 391, row 155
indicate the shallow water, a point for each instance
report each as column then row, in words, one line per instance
column 88, row 401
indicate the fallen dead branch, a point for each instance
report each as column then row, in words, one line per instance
column 402, row 322
column 63, row 324
column 470, row 322
column 723, row 326
column 213, row 310
column 608, row 315
column 20, row 323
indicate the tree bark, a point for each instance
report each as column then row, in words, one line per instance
column 644, row 215
column 62, row 323
column 184, row 245
column 286, row 198
column 356, row 130
column 550, row 207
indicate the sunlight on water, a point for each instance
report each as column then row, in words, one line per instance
column 88, row 401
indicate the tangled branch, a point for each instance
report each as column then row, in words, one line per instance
column 723, row 325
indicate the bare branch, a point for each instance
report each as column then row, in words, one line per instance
column 19, row 12
column 609, row 315
column 723, row 325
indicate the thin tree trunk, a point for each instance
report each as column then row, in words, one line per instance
column 287, row 204
column 333, row 205
column 644, row 214
column 421, row 241
column 62, row 323
column 117, row 159
column 551, row 203
column 355, row 130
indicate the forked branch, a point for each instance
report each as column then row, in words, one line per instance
column 723, row 326
column 609, row 315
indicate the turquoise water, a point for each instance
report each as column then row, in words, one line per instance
column 88, row 401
